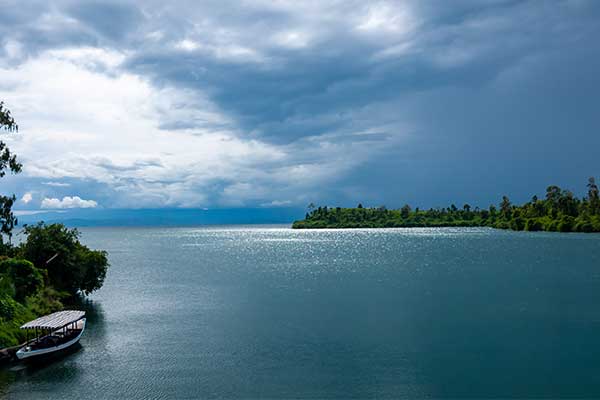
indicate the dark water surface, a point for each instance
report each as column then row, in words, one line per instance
column 248, row 312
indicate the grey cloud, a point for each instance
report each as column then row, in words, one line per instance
column 440, row 82
column 140, row 164
column 111, row 20
column 282, row 99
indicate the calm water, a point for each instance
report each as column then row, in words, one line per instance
column 269, row 312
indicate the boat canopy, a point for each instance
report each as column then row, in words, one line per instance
column 55, row 320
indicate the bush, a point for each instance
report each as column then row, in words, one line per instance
column 7, row 307
column 46, row 301
column 551, row 226
column 566, row 223
column 533, row 225
column 584, row 226
column 12, row 316
column 501, row 224
column 26, row 278
column 517, row 224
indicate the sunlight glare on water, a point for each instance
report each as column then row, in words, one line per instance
column 260, row 311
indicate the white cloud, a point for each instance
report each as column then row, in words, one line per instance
column 292, row 39
column 120, row 131
column 385, row 18
column 27, row 197
column 13, row 49
column 68, row 202
column 277, row 203
column 19, row 213
column 56, row 184
column 187, row 45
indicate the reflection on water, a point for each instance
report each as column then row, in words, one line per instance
column 6, row 378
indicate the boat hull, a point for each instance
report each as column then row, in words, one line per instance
column 24, row 354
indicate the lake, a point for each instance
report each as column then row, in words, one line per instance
column 266, row 311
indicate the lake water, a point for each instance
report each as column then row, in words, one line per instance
column 246, row 312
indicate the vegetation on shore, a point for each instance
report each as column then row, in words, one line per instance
column 559, row 211
column 47, row 270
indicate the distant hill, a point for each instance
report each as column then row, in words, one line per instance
column 162, row 217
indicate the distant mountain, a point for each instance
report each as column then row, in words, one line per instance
column 163, row 217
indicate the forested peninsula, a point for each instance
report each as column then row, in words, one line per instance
column 558, row 211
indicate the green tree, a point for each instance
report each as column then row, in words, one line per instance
column 405, row 211
column 93, row 266
column 553, row 194
column 8, row 163
column 71, row 266
column 567, row 204
column 505, row 207
column 593, row 196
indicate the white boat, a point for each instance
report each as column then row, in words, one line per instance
column 54, row 333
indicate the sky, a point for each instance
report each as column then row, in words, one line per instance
column 266, row 104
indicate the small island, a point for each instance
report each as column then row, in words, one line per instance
column 559, row 211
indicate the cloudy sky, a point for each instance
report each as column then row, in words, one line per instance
column 280, row 103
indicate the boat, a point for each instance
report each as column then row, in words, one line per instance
column 53, row 333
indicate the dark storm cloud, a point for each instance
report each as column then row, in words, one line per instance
column 113, row 20
column 297, row 92
column 462, row 78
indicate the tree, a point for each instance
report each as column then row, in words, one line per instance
column 405, row 211
column 505, row 206
column 567, row 204
column 8, row 162
column 553, row 193
column 593, row 196
column 7, row 218
column 93, row 265
column 71, row 266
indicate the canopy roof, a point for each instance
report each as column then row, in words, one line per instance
column 55, row 320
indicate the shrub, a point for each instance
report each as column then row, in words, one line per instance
column 533, row 225
column 584, row 226
column 551, row 226
column 26, row 278
column 517, row 224
column 566, row 223
column 7, row 307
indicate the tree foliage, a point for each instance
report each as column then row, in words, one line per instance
column 8, row 162
column 70, row 265
column 559, row 211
